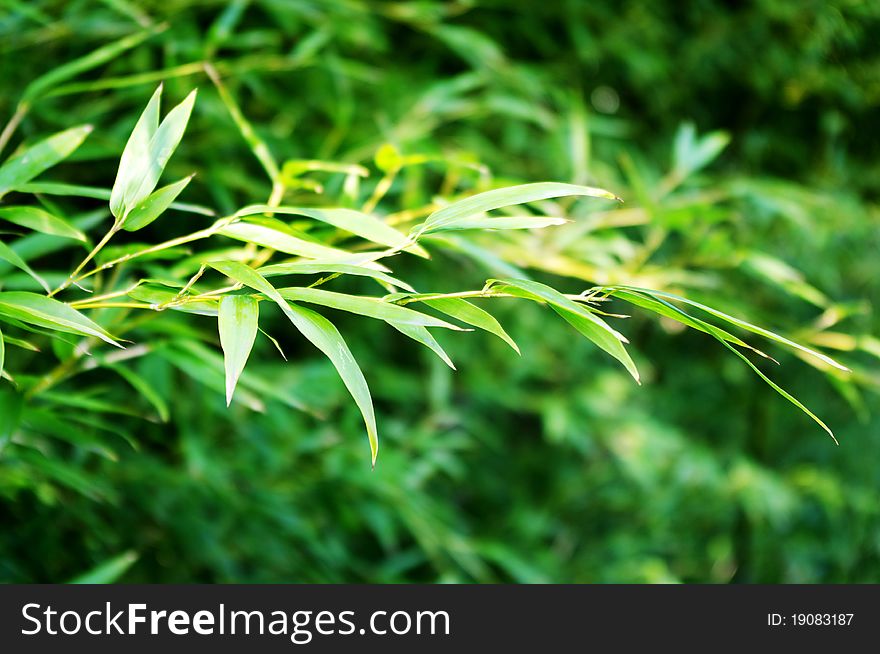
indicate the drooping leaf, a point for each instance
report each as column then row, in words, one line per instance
column 238, row 319
column 143, row 387
column 10, row 255
column 47, row 312
column 766, row 333
column 41, row 221
column 504, row 197
column 581, row 318
column 472, row 315
column 422, row 335
column 154, row 205
column 44, row 154
column 322, row 334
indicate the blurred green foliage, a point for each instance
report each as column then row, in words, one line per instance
column 742, row 139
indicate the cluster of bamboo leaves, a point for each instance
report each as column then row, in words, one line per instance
column 287, row 263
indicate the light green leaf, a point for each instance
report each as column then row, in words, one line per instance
column 322, row 334
column 107, row 572
column 10, row 255
column 317, row 267
column 44, row 154
column 46, row 312
column 423, row 336
column 147, row 152
column 154, row 205
column 504, row 197
column 23, row 344
column 358, row 223
column 237, row 320
column 276, row 236
column 766, row 333
column 503, row 222
column 472, row 315
column 581, row 318
column 364, row 306
column 41, row 221
column 2, row 351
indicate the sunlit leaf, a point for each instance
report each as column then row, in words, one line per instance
column 47, row 312
column 505, row 197
column 41, row 221
column 238, row 319
column 322, row 334
column 311, row 268
column 154, row 205
column 44, row 154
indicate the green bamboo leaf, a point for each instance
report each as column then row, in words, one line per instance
column 2, row 351
column 276, row 236
column 135, row 156
column 237, row 320
column 47, row 312
column 365, row 306
column 663, row 308
column 10, row 255
column 41, row 221
column 504, row 197
column 147, row 152
column 578, row 316
column 23, row 344
column 107, row 572
column 317, row 267
column 358, row 223
column 778, row 388
column 44, row 154
column 154, row 205
column 766, row 333
column 322, row 334
column 472, row 315
column 426, row 338
column 502, row 222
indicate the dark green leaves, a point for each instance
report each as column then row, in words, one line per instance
column 145, row 156
column 44, row 154
column 45, row 312
column 238, row 320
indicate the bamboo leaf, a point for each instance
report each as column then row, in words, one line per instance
column 238, row 319
column 143, row 387
column 154, row 205
column 503, row 222
column 322, row 334
column 766, row 333
column 504, row 197
column 364, row 306
column 75, row 190
column 311, row 268
column 44, row 154
column 578, row 316
column 10, row 255
column 358, row 223
column 147, row 152
column 276, row 236
column 472, row 315
column 422, row 335
column 41, row 221
column 107, row 572
column 46, row 312
column 2, row 351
